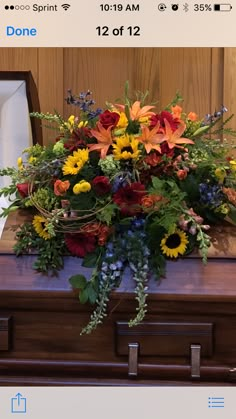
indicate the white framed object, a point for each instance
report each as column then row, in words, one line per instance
column 18, row 97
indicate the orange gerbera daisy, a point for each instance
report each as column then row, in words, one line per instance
column 104, row 139
column 151, row 139
column 136, row 112
column 173, row 138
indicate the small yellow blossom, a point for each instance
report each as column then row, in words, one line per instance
column 20, row 162
column 233, row 165
column 82, row 186
column 32, row 160
column 220, row 174
column 223, row 209
column 71, row 120
column 123, row 121
column 82, row 124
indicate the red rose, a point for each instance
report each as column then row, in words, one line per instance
column 23, row 189
column 109, row 119
column 129, row 198
column 101, row 185
column 160, row 117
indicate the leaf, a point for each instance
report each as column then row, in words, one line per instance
column 83, row 296
column 90, row 260
column 201, row 130
column 78, row 281
column 92, row 294
column 232, row 213
column 107, row 214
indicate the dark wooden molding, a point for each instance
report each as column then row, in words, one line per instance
column 33, row 99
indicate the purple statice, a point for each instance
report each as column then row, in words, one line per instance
column 210, row 195
column 84, row 102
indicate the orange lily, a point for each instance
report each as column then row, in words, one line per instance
column 174, row 138
column 104, row 139
column 151, row 138
column 136, row 112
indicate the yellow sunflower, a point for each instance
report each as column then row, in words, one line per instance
column 175, row 244
column 40, row 223
column 75, row 162
column 126, row 148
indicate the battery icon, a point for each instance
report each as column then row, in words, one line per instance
column 222, row 7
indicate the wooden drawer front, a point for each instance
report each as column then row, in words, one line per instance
column 5, row 323
column 164, row 339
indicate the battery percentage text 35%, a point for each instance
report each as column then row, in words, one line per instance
column 201, row 7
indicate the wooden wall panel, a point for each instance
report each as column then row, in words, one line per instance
column 195, row 72
column 229, row 92
column 50, row 84
column 187, row 70
column 205, row 77
column 101, row 70
column 20, row 59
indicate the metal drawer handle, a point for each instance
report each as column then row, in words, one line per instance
column 133, row 359
column 195, row 361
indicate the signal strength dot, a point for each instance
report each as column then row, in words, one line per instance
column 65, row 6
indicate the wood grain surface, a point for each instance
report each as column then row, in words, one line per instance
column 205, row 77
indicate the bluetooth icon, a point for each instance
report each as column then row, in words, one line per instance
column 186, row 7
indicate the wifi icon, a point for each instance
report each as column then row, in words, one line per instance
column 65, row 6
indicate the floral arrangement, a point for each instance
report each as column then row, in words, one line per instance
column 128, row 186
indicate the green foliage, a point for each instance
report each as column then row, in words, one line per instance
column 78, row 281
column 49, row 253
column 232, row 213
column 11, row 208
column 177, row 99
column 50, row 258
column 44, row 198
column 168, row 215
column 27, row 239
column 107, row 214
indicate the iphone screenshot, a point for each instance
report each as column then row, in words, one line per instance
column 117, row 209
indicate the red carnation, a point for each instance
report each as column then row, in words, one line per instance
column 160, row 117
column 23, row 189
column 101, row 185
column 109, row 119
column 129, row 198
column 80, row 244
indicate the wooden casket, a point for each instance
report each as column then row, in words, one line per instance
column 188, row 336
